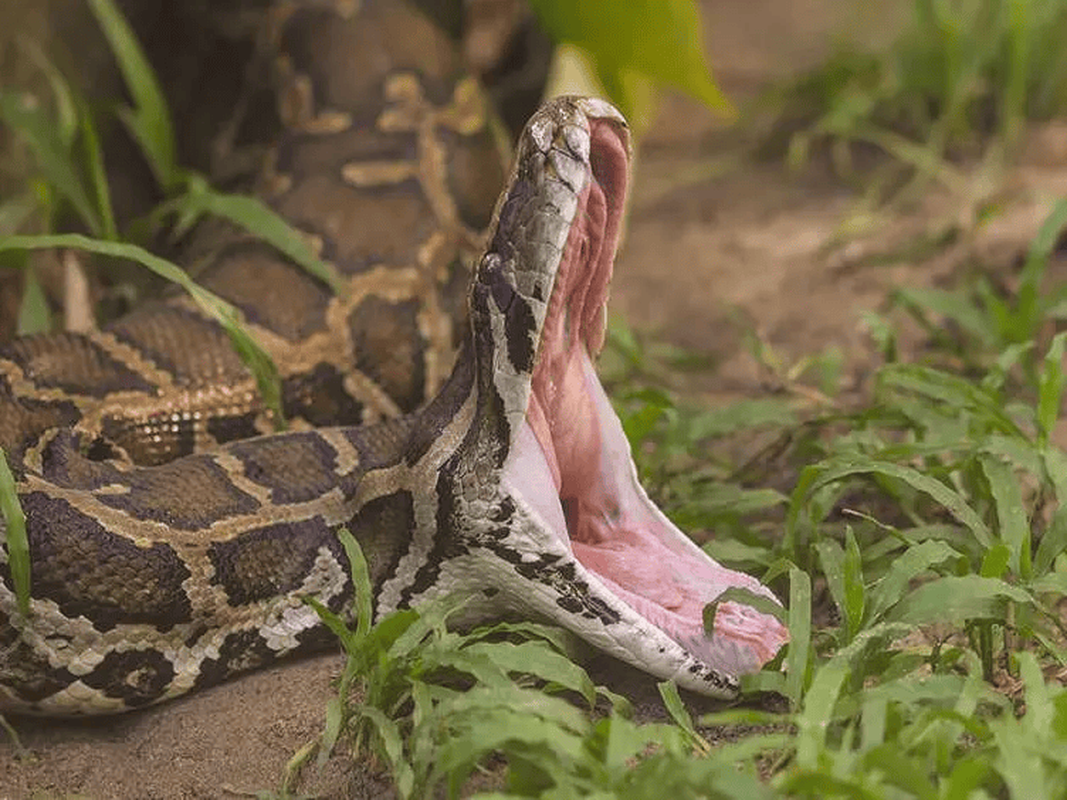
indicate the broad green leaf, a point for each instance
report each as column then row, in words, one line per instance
column 331, row 728
column 958, row 599
column 951, row 390
column 916, row 560
column 539, row 660
column 149, row 120
column 661, row 39
column 562, row 640
column 230, row 318
column 953, row 304
column 24, row 115
column 18, row 548
column 873, row 721
column 743, row 415
column 832, row 559
column 995, row 562
column 388, row 734
column 734, row 552
column 967, row 775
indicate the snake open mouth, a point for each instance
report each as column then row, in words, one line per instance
column 575, row 464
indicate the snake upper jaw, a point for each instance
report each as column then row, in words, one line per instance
column 589, row 548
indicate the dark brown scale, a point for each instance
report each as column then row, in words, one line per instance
column 389, row 169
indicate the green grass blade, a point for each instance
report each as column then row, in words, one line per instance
column 855, row 591
column 799, row 654
column 1036, row 261
column 254, row 357
column 23, row 114
column 745, row 597
column 814, row 719
column 66, row 107
column 835, row 469
column 18, row 548
column 1053, row 541
column 149, row 120
column 538, row 659
column 255, row 217
column 916, row 560
column 1011, row 513
column 1050, row 388
column 362, row 592
column 94, row 160
column 672, row 701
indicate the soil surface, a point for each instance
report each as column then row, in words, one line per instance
column 716, row 243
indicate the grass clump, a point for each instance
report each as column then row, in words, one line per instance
column 960, row 75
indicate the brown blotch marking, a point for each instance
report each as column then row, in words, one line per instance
column 295, row 468
column 73, row 363
column 194, row 350
column 23, row 420
column 89, row 571
column 228, row 428
column 137, row 677
column 26, row 672
column 190, row 494
column 384, row 528
column 269, row 290
column 64, row 464
column 366, row 226
column 390, row 348
column 269, row 561
column 383, row 444
column 239, row 652
column 346, row 60
column 320, row 397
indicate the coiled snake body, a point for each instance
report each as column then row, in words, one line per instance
column 170, row 550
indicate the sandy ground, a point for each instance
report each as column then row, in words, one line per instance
column 707, row 244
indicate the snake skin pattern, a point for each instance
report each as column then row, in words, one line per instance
column 173, row 541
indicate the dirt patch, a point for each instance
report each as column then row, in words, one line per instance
column 706, row 246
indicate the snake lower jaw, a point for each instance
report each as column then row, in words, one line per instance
column 649, row 580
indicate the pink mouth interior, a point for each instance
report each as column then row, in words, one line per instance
column 614, row 530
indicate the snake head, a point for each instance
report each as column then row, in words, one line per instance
column 578, row 537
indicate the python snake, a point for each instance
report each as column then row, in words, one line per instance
column 173, row 539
